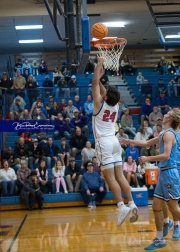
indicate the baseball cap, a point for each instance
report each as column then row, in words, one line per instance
column 33, row 173
column 72, row 159
column 47, row 77
column 34, row 140
column 75, row 110
column 73, row 77
column 89, row 164
column 4, row 73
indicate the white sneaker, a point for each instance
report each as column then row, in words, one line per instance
column 66, row 191
column 122, row 214
column 134, row 213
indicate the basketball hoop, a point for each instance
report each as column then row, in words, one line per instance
column 111, row 49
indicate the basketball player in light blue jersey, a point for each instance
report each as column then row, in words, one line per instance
column 168, row 186
column 107, row 145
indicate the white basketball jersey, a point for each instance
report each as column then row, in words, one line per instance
column 103, row 122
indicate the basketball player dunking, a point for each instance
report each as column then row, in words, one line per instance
column 107, row 145
column 168, row 186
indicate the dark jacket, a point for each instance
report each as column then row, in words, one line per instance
column 21, row 151
column 70, row 171
column 80, row 122
column 78, row 142
column 55, row 150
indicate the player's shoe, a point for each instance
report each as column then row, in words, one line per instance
column 167, row 227
column 156, row 244
column 134, row 213
column 123, row 214
column 176, row 232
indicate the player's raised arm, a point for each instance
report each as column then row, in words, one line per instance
column 143, row 143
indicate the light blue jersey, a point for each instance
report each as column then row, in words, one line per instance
column 178, row 150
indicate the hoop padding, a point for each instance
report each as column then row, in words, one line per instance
column 111, row 49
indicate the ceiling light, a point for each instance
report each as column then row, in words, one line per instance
column 31, row 41
column 27, row 27
column 114, row 24
column 172, row 36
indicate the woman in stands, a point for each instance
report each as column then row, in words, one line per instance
column 58, row 176
column 42, row 175
column 129, row 169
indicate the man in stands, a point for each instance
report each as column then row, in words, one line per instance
column 21, row 150
column 154, row 116
column 163, row 103
column 25, row 115
column 146, row 109
column 51, row 152
column 68, row 111
column 16, row 109
column 77, row 142
column 48, row 86
column 6, row 85
column 89, row 106
column 19, row 83
column 72, row 84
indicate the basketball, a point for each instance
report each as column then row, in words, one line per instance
column 99, row 30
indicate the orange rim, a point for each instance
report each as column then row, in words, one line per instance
column 108, row 42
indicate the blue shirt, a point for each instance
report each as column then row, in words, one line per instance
column 91, row 180
column 134, row 153
column 162, row 102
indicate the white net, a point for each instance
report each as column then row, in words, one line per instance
column 111, row 49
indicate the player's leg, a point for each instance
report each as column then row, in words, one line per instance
column 175, row 210
column 167, row 222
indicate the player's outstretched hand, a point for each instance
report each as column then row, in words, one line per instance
column 123, row 140
column 100, row 59
column 143, row 159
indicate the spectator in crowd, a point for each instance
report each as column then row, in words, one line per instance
column 145, row 110
column 6, row 85
column 79, row 121
column 42, row 175
column 43, row 67
column 162, row 87
column 92, row 184
column 38, row 105
column 172, row 88
column 73, row 175
column 96, row 167
column 171, row 67
column 22, row 174
column 129, row 169
column 68, row 111
column 58, row 172
column 122, row 134
column 27, row 136
column 122, row 107
column 32, row 90
column 21, row 150
column 62, row 105
column 133, row 152
column 178, row 71
column 56, row 75
column 35, row 67
column 51, row 152
column 64, row 152
column 16, row 109
column 146, row 89
column 66, row 74
column 148, row 151
column 18, row 66
column 126, row 66
column 61, row 128
column 34, row 105
column 62, row 87
column 25, row 115
column 149, row 130
column 53, row 112
column 19, row 83
column 159, row 121
column 162, row 66
column 78, row 103
column 105, row 81
column 26, row 67
column 48, row 86
column 87, row 154
column 77, row 142
column 139, row 79
column 31, row 192
column 10, row 157
column 127, row 123
column 38, row 115
column 7, row 179
column 142, row 134
column 163, row 103
column 158, row 129
column 89, row 106
column 36, row 153
column 154, row 116
column 72, row 84
column 141, row 174
column 89, row 66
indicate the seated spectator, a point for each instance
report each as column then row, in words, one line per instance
column 34, row 105
column 96, row 167
column 21, row 150
column 25, row 115
column 139, row 79
column 162, row 66
column 27, row 136
column 142, row 134
column 92, row 184
column 127, row 123
column 31, row 192
column 10, row 157
column 47, row 87
column 78, row 103
column 66, row 74
column 171, row 67
column 89, row 106
column 105, row 81
column 62, row 105
column 53, row 112
column 62, row 87
column 35, row 67
column 31, row 87
column 172, row 88
column 73, row 175
column 42, row 139
column 79, row 121
column 6, row 86
column 122, row 107
column 145, row 110
column 126, row 66
column 64, row 152
column 158, row 129
column 56, row 75
column 19, row 83
column 159, row 122
column 61, row 128
column 162, row 87
column 87, row 154
column 129, row 169
column 163, row 103
column 39, row 105
column 51, row 152
column 26, row 67
column 36, row 154
column 122, row 134
column 154, row 116
column 22, row 174
column 7, row 179
column 18, row 65
column 58, row 172
column 89, row 66
column 72, row 84
column 77, row 142
column 146, row 89
column 149, row 130
column 148, row 151
column 16, row 109
column 42, row 175
column 38, row 115
column 68, row 111
column 141, row 174
column 43, row 67
column 133, row 152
